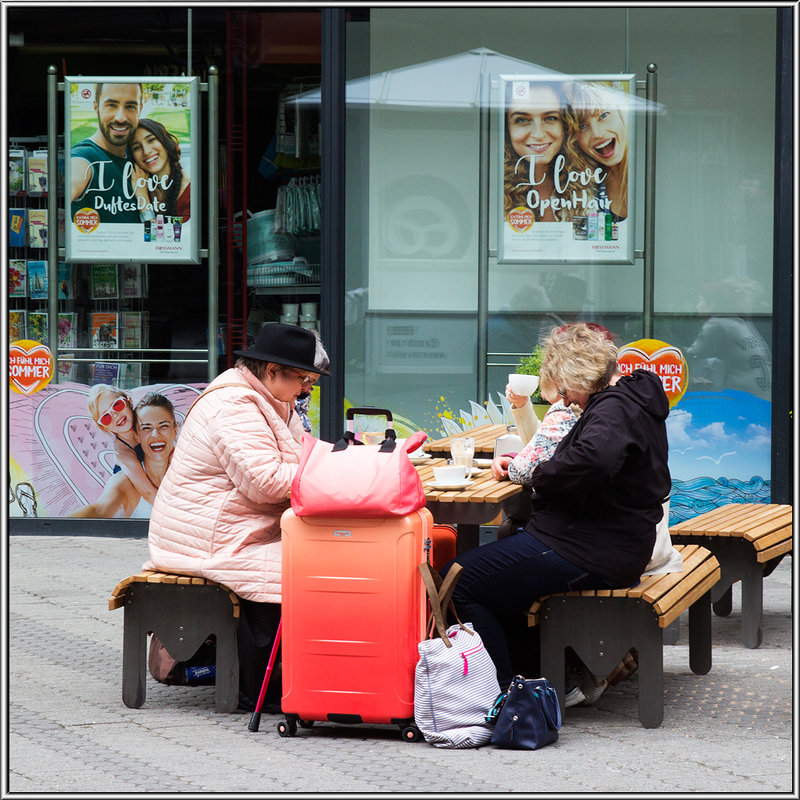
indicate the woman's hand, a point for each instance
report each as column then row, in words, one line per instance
column 516, row 400
column 500, row 467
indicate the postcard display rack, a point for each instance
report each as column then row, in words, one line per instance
column 100, row 307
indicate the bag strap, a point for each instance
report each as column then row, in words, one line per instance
column 550, row 703
column 440, row 593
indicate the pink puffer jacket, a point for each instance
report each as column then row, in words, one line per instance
column 217, row 511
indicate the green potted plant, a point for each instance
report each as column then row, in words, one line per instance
column 531, row 365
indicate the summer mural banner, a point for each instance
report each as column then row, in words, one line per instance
column 566, row 171
column 132, row 172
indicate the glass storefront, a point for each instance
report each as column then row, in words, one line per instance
column 422, row 114
column 435, row 311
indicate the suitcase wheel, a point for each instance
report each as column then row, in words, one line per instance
column 306, row 723
column 411, row 733
column 287, row 727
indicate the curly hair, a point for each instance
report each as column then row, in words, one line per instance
column 173, row 150
column 578, row 357
column 583, row 101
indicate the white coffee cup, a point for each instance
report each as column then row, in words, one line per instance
column 523, row 384
column 450, row 474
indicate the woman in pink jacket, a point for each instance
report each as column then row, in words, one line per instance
column 217, row 512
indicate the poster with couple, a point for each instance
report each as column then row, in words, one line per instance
column 566, row 173
column 132, row 164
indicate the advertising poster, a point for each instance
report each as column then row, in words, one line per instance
column 132, row 173
column 566, row 169
column 75, row 451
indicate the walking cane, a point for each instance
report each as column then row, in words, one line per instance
column 255, row 719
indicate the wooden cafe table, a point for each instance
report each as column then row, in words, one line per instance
column 484, row 435
column 478, row 503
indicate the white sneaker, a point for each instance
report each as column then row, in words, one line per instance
column 573, row 697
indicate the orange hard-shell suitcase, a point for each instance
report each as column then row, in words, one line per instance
column 353, row 612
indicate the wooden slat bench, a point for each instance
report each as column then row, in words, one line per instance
column 749, row 540
column 602, row 625
column 182, row 611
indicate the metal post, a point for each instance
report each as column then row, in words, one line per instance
column 52, row 217
column 213, row 212
column 648, row 281
column 332, row 279
column 483, row 237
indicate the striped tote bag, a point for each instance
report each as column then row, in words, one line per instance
column 455, row 681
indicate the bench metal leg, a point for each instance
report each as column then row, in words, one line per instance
column 737, row 561
column 752, row 603
column 601, row 630
column 672, row 632
column 651, row 676
column 134, row 660
column 182, row 616
column 723, row 606
column 227, row 677
column 700, row 635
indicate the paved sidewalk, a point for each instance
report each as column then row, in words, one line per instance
column 68, row 731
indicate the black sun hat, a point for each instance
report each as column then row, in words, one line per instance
column 288, row 345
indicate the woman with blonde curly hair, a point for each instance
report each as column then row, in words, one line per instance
column 597, row 136
column 596, row 501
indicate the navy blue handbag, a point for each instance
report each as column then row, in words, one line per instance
column 530, row 717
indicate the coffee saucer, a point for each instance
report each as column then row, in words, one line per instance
column 453, row 485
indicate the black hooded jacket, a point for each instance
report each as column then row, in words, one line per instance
column 597, row 501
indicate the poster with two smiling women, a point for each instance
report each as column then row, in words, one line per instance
column 566, row 177
column 131, row 168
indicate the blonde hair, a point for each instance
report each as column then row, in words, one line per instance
column 94, row 399
column 578, row 357
column 586, row 99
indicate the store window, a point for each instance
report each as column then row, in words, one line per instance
column 432, row 336
column 128, row 326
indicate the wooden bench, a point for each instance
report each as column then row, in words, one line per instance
column 182, row 611
column 749, row 540
column 602, row 625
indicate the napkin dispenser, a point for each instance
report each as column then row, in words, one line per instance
column 507, row 443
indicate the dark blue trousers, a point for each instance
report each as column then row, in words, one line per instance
column 499, row 582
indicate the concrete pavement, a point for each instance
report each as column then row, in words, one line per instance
column 730, row 731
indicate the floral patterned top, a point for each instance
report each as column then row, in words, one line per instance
column 555, row 425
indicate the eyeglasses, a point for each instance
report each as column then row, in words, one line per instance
column 305, row 380
column 116, row 407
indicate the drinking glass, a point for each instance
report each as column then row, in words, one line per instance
column 462, row 449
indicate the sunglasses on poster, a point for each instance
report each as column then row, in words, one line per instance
column 116, row 407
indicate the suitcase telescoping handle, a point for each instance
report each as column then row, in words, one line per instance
column 388, row 443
